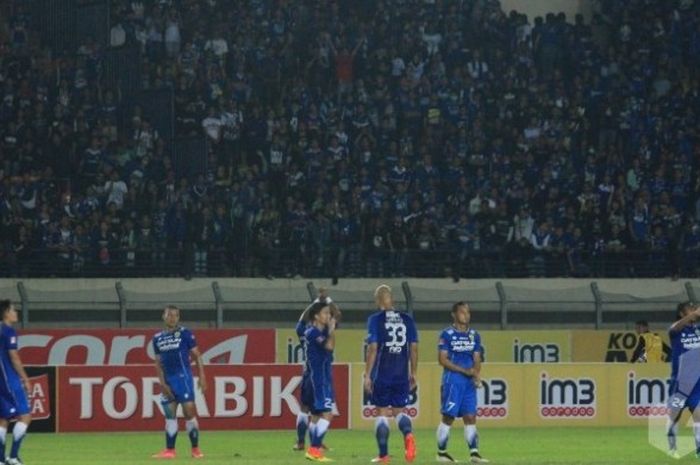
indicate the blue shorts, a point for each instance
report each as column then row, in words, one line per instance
column 396, row 395
column 182, row 388
column 15, row 403
column 323, row 395
column 693, row 399
column 458, row 399
column 306, row 394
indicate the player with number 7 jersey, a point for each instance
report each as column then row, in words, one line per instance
column 390, row 373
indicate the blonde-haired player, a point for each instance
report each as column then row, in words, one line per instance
column 390, row 372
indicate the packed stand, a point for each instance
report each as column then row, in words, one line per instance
column 359, row 138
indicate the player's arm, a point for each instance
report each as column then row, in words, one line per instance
column 19, row 368
column 414, row 364
column 161, row 378
column 369, row 364
column 413, row 339
column 685, row 321
column 197, row 357
column 477, row 369
column 304, row 315
column 444, row 361
column 639, row 350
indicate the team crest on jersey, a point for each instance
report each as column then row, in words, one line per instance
column 177, row 333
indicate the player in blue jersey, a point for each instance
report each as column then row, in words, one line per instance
column 390, row 371
column 459, row 353
column 14, row 386
column 173, row 348
column 319, row 343
column 306, row 393
column 685, row 372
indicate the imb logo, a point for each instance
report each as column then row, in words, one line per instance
column 295, row 351
column 646, row 396
column 535, row 353
column 493, row 399
column 567, row 397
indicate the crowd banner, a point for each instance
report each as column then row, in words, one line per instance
column 239, row 397
column 111, row 347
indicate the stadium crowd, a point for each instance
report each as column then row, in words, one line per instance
column 362, row 137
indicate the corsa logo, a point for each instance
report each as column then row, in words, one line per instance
column 567, row 397
column 646, row 397
column 493, row 399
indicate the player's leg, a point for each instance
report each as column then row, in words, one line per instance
column 450, row 396
column 323, row 423
column 170, row 413
column 400, row 398
column 302, row 427
column 306, row 399
column 320, row 420
column 381, row 400
column 676, row 404
column 3, row 437
column 192, row 428
column 471, row 435
column 381, row 433
column 19, row 432
column 443, row 436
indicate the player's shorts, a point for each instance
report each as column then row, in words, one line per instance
column 182, row 388
column 458, row 399
column 323, row 395
column 693, row 399
column 395, row 395
column 14, row 403
column 306, row 394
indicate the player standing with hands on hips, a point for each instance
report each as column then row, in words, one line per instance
column 390, row 371
column 173, row 348
column 459, row 353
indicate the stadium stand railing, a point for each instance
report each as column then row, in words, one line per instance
column 259, row 302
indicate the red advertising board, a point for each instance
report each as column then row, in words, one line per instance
column 238, row 397
column 133, row 346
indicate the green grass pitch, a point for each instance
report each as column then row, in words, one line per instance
column 502, row 446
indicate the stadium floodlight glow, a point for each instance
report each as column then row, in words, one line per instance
column 657, row 433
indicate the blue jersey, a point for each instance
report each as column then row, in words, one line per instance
column 393, row 332
column 682, row 341
column 318, row 358
column 13, row 398
column 174, row 347
column 8, row 342
column 460, row 347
